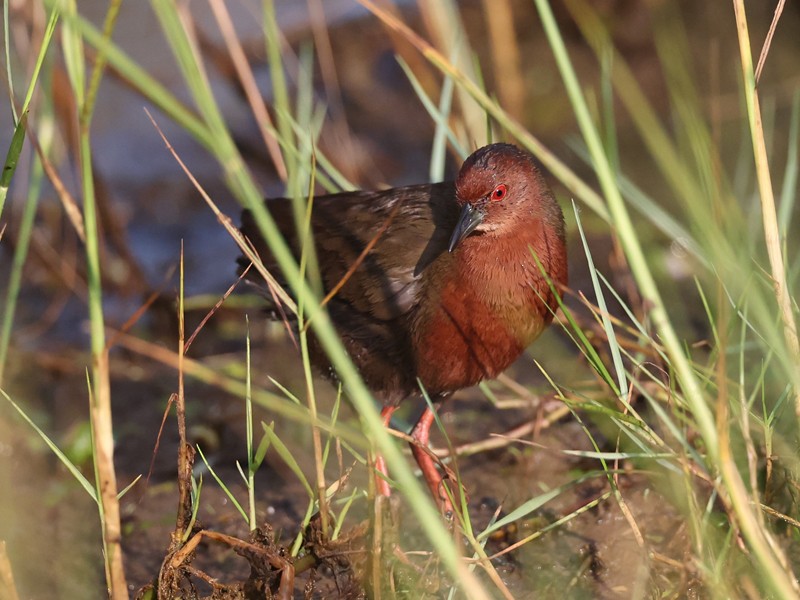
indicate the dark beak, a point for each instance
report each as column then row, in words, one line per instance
column 468, row 220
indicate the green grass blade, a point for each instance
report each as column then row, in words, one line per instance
column 439, row 117
column 613, row 346
column 12, row 158
column 287, row 457
column 20, row 254
column 280, row 91
column 74, row 471
column 535, row 503
column 72, row 48
column 128, row 487
column 224, row 487
column 197, row 489
column 790, row 176
column 439, row 145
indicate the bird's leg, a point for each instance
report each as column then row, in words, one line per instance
column 419, row 448
column 380, row 462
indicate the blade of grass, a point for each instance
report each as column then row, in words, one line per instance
column 443, row 20
column 435, row 113
column 622, row 382
column 280, row 92
column 12, row 158
column 768, row 214
column 308, row 254
column 75, row 471
column 249, row 85
column 762, row 57
column 197, row 488
column 225, row 489
column 790, row 176
column 647, row 208
column 251, row 458
column 287, row 457
column 15, row 148
column 627, row 232
column 23, row 240
column 129, row 487
column 7, row 56
column 536, row 503
column 439, row 145
column 137, row 77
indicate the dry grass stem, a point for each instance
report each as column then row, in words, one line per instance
column 768, row 213
column 762, row 57
column 232, row 230
column 103, row 433
column 249, row 85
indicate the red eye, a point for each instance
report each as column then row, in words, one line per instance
column 499, row 193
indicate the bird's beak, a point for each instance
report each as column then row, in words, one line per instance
column 468, row 220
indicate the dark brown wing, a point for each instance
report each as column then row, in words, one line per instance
column 371, row 310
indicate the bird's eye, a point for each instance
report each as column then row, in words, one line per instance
column 499, row 193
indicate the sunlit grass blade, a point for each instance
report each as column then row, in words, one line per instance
column 252, row 461
column 438, row 115
column 280, row 90
column 128, row 487
column 12, row 158
column 788, row 196
column 15, row 279
column 536, row 503
column 334, row 417
column 329, row 177
column 287, row 457
column 447, row 28
column 224, row 487
column 622, row 382
column 768, row 211
column 197, row 489
column 440, row 136
column 100, row 410
column 342, row 513
column 74, row 471
column 648, row 208
column 72, row 47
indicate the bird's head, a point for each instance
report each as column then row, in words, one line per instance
column 498, row 186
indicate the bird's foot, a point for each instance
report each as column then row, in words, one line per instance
column 443, row 488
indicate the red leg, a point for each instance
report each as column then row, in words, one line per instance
column 421, row 436
column 380, row 463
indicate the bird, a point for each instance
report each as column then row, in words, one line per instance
column 432, row 287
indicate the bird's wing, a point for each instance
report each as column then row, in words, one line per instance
column 390, row 236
